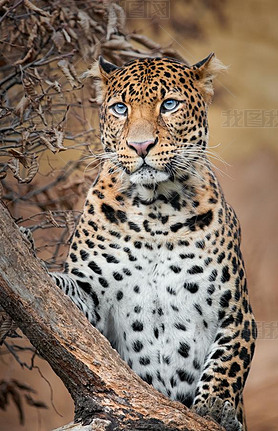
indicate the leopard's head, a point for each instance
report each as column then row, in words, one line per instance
column 153, row 115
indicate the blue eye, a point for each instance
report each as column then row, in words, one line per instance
column 169, row 105
column 119, row 108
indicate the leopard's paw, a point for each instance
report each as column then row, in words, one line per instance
column 27, row 235
column 221, row 411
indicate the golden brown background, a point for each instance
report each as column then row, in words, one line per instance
column 244, row 36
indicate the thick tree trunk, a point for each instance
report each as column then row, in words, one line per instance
column 103, row 387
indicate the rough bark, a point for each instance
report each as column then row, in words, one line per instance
column 102, row 386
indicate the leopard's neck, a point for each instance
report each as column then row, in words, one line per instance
column 185, row 204
column 193, row 188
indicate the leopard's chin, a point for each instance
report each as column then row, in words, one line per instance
column 148, row 175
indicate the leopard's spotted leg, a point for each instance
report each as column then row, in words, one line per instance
column 27, row 235
column 84, row 301
column 66, row 283
column 219, row 391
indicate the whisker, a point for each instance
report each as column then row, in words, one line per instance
column 196, row 154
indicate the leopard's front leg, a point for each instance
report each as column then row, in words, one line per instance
column 82, row 297
column 219, row 391
column 80, row 292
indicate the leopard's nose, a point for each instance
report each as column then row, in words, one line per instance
column 142, row 148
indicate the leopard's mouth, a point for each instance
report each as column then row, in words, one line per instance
column 148, row 175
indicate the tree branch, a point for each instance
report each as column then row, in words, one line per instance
column 103, row 387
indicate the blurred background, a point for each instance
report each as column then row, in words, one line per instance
column 243, row 136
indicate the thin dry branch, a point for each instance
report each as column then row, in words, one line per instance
column 45, row 47
column 45, row 110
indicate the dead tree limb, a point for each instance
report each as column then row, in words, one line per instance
column 104, row 389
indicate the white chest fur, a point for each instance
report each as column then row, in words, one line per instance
column 159, row 310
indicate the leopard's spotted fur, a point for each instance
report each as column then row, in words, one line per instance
column 155, row 262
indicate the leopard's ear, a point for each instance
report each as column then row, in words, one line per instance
column 100, row 70
column 204, row 73
column 105, row 67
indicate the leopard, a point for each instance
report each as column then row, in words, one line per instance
column 155, row 262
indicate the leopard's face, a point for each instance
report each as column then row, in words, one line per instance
column 154, row 117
